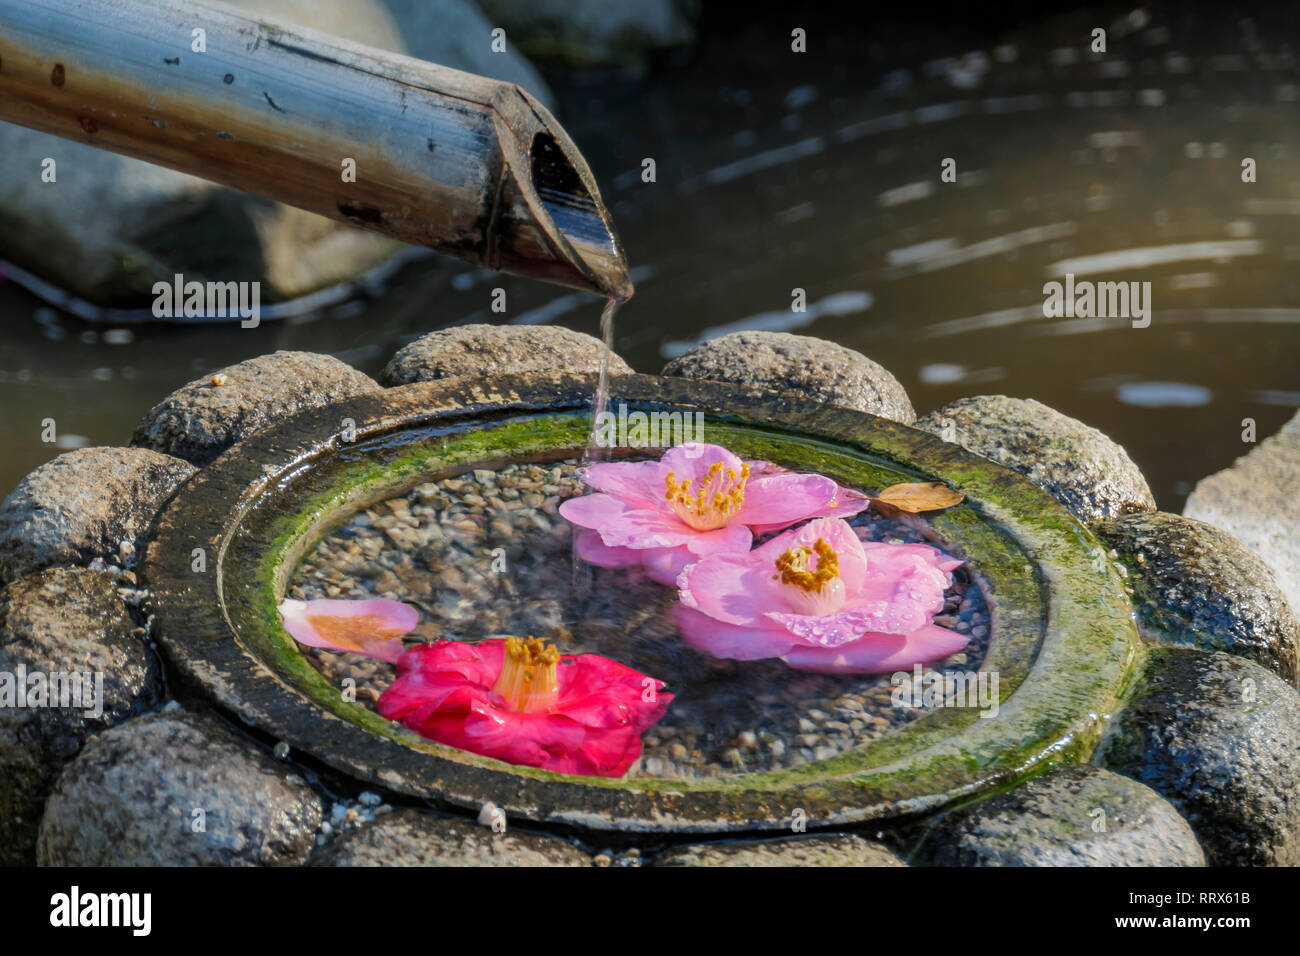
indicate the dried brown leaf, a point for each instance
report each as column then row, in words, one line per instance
column 915, row 497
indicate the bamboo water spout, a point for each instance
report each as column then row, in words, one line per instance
column 469, row 166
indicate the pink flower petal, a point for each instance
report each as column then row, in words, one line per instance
column 372, row 627
column 646, row 529
column 781, row 500
column 594, row 511
column 879, row 653
column 735, row 641
column 640, row 483
column 591, row 549
column 731, row 589
column 694, row 459
column 665, row 565
column 609, row 753
column 925, row 553
column 600, row 694
column 845, row 503
column 849, row 624
column 902, row 573
column 729, row 539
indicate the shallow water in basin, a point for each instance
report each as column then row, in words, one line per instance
column 486, row 554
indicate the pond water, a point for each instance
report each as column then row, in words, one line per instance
column 485, row 554
column 821, row 172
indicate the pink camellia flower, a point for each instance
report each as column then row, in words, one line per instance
column 373, row 628
column 521, row 701
column 821, row 600
column 845, row 504
column 697, row 500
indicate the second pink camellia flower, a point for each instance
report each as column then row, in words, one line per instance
column 821, row 600
column 523, row 702
column 697, row 500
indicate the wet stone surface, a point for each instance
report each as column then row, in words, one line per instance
column 1219, row 737
column 436, row 547
column 1069, row 816
column 1198, row 586
column 415, row 838
column 176, row 789
column 59, row 628
column 806, row 367
column 85, row 504
column 482, row 350
column 1255, row 501
column 200, row 420
column 838, row 849
column 1075, row 464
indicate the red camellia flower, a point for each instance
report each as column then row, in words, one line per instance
column 521, row 701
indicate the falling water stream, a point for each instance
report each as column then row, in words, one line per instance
column 594, row 452
column 602, row 383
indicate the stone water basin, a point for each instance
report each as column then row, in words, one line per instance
column 289, row 512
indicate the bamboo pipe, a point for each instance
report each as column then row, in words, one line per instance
column 469, row 166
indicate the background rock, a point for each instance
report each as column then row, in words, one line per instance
column 412, row 838
column 129, row 799
column 456, row 33
column 150, row 222
column 837, row 849
column 200, row 420
column 83, row 505
column 590, row 33
column 1198, row 586
column 62, row 621
column 1052, row 821
column 1255, row 501
column 1075, row 464
column 807, row 368
column 1219, row 737
column 498, row 350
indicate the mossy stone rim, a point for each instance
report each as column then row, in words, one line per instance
column 1064, row 641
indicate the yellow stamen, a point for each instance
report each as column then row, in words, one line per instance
column 717, row 501
column 793, row 567
column 529, row 681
